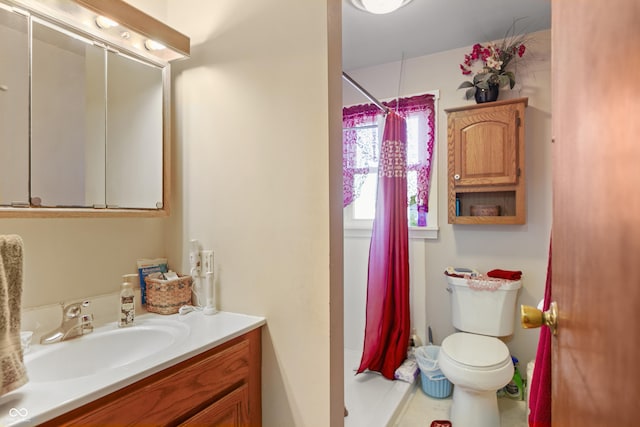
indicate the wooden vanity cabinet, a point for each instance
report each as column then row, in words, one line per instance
column 486, row 162
column 220, row 387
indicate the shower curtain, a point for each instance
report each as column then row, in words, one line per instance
column 387, row 315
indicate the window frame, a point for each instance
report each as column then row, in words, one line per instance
column 363, row 227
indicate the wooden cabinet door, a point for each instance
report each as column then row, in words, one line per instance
column 485, row 146
column 230, row 411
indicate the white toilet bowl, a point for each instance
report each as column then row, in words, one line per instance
column 478, row 366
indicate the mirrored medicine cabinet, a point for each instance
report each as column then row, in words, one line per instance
column 84, row 109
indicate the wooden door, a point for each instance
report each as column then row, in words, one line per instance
column 596, row 212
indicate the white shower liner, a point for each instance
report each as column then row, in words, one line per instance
column 371, row 399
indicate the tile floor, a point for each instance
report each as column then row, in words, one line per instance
column 421, row 410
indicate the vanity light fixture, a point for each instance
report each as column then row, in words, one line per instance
column 133, row 30
column 115, row 23
column 105, row 23
column 379, row 7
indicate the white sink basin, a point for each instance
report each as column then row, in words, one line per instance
column 106, row 348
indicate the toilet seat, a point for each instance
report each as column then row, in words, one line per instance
column 476, row 352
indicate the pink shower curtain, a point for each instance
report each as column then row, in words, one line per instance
column 387, row 318
column 540, row 388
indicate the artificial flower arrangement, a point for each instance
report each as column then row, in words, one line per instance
column 495, row 58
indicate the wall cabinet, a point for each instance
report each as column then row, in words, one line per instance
column 486, row 163
column 84, row 111
column 220, row 387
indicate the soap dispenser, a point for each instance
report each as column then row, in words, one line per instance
column 127, row 303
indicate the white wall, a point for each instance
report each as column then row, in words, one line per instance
column 252, row 163
column 512, row 247
column 68, row 259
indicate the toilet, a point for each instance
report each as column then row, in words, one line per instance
column 474, row 359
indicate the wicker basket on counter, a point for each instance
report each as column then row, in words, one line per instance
column 167, row 296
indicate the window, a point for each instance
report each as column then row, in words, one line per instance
column 362, row 133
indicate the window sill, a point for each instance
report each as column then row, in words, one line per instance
column 414, row 232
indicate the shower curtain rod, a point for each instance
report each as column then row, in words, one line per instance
column 365, row 93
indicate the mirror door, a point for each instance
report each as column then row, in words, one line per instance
column 134, row 133
column 83, row 112
column 14, row 109
column 68, row 88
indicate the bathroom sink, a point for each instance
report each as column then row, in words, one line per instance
column 106, row 348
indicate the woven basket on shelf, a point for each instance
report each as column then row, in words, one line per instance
column 167, row 296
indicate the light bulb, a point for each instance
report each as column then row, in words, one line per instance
column 381, row 6
column 105, row 23
column 153, row 45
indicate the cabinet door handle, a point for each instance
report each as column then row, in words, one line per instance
column 456, row 177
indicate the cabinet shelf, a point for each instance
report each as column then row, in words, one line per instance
column 505, row 200
column 486, row 162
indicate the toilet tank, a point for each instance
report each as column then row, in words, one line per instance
column 483, row 311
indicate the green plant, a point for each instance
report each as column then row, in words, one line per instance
column 495, row 58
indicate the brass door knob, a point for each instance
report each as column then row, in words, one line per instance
column 531, row 317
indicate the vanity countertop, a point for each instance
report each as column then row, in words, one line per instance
column 37, row 402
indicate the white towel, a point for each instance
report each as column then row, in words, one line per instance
column 13, row 373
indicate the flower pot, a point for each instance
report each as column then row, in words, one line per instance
column 487, row 95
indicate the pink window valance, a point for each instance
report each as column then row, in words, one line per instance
column 359, row 152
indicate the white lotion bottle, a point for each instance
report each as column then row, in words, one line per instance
column 127, row 301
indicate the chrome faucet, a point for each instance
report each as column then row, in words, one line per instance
column 74, row 324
